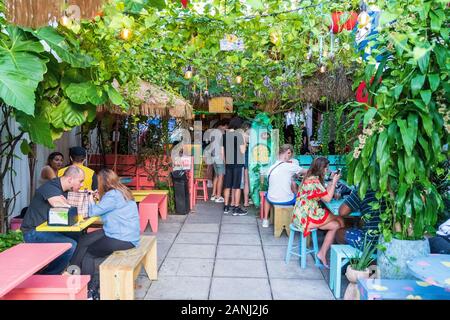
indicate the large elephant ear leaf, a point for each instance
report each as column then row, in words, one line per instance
column 37, row 127
column 21, row 70
column 57, row 43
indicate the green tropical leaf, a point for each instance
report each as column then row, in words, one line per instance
column 38, row 129
column 21, row 70
column 427, row 122
column 73, row 115
column 408, row 137
column 417, row 83
column 426, row 96
column 58, row 43
column 115, row 97
column 25, row 147
column 85, row 92
column 434, row 80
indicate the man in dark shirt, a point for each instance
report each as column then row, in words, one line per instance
column 371, row 218
column 233, row 151
column 52, row 194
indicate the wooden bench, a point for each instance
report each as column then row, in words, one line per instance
column 120, row 270
column 50, row 287
column 149, row 208
column 282, row 219
column 387, row 289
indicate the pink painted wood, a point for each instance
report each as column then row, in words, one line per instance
column 23, row 260
column 148, row 210
column 50, row 287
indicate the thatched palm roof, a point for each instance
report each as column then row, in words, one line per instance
column 154, row 102
column 335, row 86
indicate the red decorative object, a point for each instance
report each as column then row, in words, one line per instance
column 362, row 95
column 348, row 25
column 184, row 3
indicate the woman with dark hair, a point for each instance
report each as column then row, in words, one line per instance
column 308, row 214
column 120, row 217
column 50, row 170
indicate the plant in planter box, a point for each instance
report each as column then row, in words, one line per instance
column 358, row 267
column 405, row 127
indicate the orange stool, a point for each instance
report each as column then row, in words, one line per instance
column 203, row 187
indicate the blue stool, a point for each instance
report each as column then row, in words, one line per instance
column 302, row 249
column 340, row 254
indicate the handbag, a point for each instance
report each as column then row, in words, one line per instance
column 80, row 200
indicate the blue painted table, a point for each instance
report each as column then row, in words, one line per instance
column 434, row 269
column 334, row 205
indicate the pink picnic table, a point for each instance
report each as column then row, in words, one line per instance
column 20, row 262
column 149, row 208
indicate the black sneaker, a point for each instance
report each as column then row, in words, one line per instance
column 226, row 209
column 238, row 211
column 93, row 294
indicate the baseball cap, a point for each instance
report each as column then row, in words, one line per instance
column 77, row 151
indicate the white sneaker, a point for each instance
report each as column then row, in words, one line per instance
column 265, row 223
column 213, row 198
column 220, row 199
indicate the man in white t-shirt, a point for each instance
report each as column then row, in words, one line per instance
column 280, row 181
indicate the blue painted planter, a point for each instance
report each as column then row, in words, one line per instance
column 392, row 262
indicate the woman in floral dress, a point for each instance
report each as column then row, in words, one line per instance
column 308, row 214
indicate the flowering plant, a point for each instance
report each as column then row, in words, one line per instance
column 405, row 124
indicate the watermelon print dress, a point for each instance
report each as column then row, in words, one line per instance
column 307, row 208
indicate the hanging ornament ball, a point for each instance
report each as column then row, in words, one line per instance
column 125, row 33
column 64, row 21
column 188, row 74
column 184, row 3
column 363, row 19
column 238, row 79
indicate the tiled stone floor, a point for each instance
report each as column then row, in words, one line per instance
column 207, row 255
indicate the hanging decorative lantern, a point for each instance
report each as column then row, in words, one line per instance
column 238, row 79
column 64, row 21
column 349, row 24
column 363, row 19
column 184, row 3
column 125, row 33
column 188, row 73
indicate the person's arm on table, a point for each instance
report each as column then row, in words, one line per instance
column 106, row 205
column 58, row 202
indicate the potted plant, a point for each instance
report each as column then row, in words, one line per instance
column 403, row 138
column 358, row 268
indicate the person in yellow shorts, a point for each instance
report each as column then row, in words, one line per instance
column 78, row 158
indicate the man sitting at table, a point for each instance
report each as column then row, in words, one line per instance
column 280, row 180
column 371, row 218
column 78, row 157
column 53, row 193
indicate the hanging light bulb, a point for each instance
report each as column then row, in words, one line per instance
column 125, row 33
column 188, row 73
column 64, row 21
column 323, row 68
column 238, row 79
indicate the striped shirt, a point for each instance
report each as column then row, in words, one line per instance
column 370, row 217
